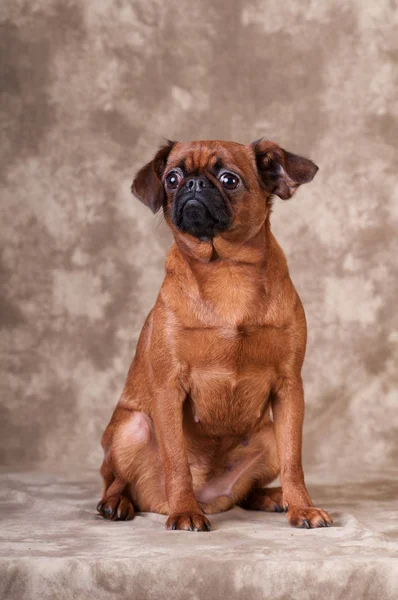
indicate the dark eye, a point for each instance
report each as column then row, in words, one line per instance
column 229, row 181
column 172, row 180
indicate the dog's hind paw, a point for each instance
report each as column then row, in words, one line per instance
column 116, row 509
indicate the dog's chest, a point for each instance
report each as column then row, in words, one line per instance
column 231, row 374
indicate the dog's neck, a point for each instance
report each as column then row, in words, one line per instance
column 225, row 248
column 225, row 283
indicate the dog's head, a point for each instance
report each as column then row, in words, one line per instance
column 214, row 188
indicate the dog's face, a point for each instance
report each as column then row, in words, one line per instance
column 214, row 188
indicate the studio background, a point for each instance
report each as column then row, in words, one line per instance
column 88, row 89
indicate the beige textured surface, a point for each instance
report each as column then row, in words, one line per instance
column 87, row 90
column 69, row 552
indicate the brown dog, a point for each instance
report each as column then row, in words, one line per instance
column 223, row 346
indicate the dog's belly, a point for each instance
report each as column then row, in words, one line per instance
column 225, row 403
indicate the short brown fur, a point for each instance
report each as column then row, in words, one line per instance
column 212, row 409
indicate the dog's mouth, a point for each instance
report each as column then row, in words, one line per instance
column 202, row 215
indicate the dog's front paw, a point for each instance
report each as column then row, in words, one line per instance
column 308, row 518
column 188, row 521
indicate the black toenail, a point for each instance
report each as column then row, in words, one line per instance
column 108, row 511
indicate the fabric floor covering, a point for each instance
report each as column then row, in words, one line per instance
column 53, row 545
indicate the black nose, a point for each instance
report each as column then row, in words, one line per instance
column 196, row 184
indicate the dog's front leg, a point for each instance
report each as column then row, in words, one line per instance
column 288, row 412
column 183, row 508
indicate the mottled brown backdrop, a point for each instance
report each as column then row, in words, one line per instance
column 88, row 89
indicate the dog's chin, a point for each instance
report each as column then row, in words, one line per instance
column 204, row 232
column 203, row 236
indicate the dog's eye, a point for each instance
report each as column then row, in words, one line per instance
column 172, row 180
column 229, row 181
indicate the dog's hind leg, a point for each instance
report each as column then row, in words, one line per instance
column 125, row 434
column 258, row 496
column 116, row 503
column 267, row 499
column 132, row 471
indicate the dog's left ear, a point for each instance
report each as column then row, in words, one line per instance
column 147, row 185
column 281, row 172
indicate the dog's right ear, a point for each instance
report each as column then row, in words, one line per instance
column 147, row 185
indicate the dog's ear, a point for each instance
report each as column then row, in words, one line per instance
column 147, row 185
column 281, row 172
